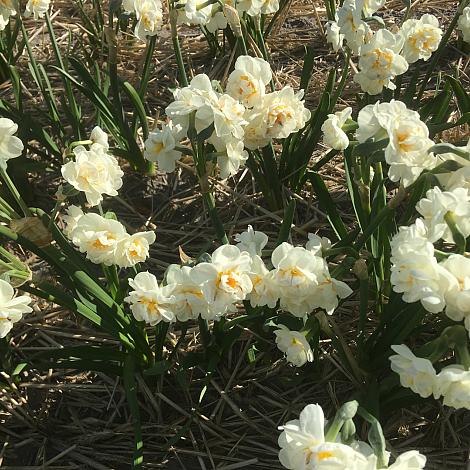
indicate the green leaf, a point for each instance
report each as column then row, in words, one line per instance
column 284, row 231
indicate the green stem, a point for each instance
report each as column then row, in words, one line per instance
column 10, row 185
column 343, row 80
column 177, row 49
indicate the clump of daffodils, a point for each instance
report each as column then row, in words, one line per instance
column 299, row 281
column 12, row 307
column 93, row 170
column 382, row 54
column 452, row 383
column 309, row 443
column 106, row 241
column 243, row 117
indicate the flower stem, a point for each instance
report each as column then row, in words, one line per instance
column 177, row 48
column 10, row 185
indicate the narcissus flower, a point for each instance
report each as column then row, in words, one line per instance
column 11, row 307
column 225, row 280
column 98, row 237
column 251, row 241
column 150, row 302
column 464, row 24
column 415, row 271
column 453, row 383
column 189, row 299
column 437, row 205
column 133, row 249
column 408, row 150
column 457, row 295
column 333, row 35
column 94, row 172
column 247, row 83
column 149, row 16
column 411, row 460
column 333, row 134
column 303, row 446
column 421, row 38
column 7, row 9
column 160, row 146
column 37, row 8
column 415, row 373
column 355, row 31
column 380, row 62
column 294, row 345
column 304, row 282
column 264, row 289
column 73, row 215
column 10, row 145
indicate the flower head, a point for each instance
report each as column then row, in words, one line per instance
column 416, row 373
column 150, row 302
column 464, row 24
column 333, row 134
column 133, row 249
column 294, row 345
column 10, row 145
column 11, row 307
column 160, row 146
column 251, row 241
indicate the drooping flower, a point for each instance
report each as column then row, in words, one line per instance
column 94, row 172
column 11, row 307
column 149, row 301
column 415, row 373
column 10, row 145
column 421, row 38
column 333, row 134
column 463, row 24
column 411, row 460
column 294, row 345
column 457, row 295
column 334, row 36
column 317, row 245
column 453, row 383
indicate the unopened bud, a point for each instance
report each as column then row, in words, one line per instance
column 360, row 270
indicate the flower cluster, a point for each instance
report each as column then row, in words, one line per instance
column 407, row 152
column 452, row 383
column 213, row 15
column 11, row 307
column 299, row 281
column 304, row 446
column 94, row 171
column 149, row 15
column 244, row 117
column 105, row 240
column 383, row 55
